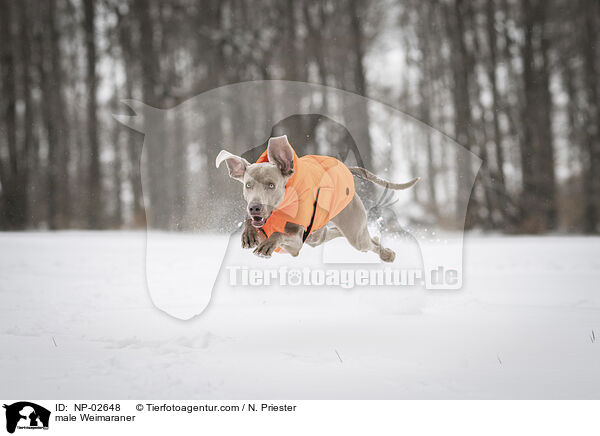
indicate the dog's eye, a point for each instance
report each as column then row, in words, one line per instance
column 248, row 185
column 271, row 186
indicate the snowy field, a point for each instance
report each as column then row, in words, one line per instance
column 76, row 322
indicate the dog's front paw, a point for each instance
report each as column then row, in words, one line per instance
column 266, row 248
column 251, row 237
column 387, row 255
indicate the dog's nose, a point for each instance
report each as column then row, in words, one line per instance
column 255, row 208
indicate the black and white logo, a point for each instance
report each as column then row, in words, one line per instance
column 26, row 415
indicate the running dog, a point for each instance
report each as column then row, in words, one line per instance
column 292, row 200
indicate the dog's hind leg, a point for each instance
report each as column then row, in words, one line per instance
column 352, row 223
column 385, row 254
column 323, row 235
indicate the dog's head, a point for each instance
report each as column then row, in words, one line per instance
column 264, row 183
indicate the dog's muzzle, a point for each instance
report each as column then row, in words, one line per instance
column 258, row 221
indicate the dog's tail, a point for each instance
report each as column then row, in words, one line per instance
column 368, row 175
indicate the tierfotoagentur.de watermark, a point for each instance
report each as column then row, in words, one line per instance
column 346, row 278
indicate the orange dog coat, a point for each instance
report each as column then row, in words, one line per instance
column 320, row 188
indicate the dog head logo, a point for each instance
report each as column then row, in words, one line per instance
column 193, row 208
column 26, row 415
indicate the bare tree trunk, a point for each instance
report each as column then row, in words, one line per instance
column 462, row 102
column 528, row 196
column 426, row 101
column 180, row 173
column 156, row 212
column 480, row 135
column 133, row 139
column 51, row 74
column 590, row 11
column 95, row 208
column 537, row 156
column 28, row 121
column 9, row 86
column 316, row 26
column 62, row 131
column 492, row 76
column 289, row 37
column 360, row 114
column 13, row 193
column 117, row 167
column 212, row 122
column 51, row 125
column 512, row 101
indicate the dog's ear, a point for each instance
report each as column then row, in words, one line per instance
column 235, row 164
column 280, row 153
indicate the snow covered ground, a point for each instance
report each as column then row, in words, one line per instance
column 76, row 321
